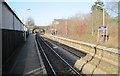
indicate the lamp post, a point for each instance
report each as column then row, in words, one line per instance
column 103, row 24
column 25, row 29
column 23, row 19
column 28, row 9
column 105, row 32
column 103, row 15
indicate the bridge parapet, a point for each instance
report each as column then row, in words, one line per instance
column 99, row 59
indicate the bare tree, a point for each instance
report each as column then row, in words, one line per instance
column 30, row 22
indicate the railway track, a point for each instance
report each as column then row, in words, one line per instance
column 54, row 63
column 77, row 53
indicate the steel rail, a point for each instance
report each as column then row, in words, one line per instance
column 63, row 59
column 66, row 49
column 46, row 58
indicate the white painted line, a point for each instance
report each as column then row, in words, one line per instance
column 35, row 70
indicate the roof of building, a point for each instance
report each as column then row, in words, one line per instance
column 5, row 3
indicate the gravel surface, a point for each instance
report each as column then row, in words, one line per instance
column 59, row 66
column 65, row 52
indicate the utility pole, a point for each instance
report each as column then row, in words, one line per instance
column 66, row 23
column 92, row 25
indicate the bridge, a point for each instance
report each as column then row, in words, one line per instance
column 24, row 53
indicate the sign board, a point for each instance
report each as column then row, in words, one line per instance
column 102, row 27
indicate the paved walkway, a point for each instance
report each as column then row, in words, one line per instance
column 28, row 61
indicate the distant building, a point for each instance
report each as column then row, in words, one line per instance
column 58, row 26
column 58, row 21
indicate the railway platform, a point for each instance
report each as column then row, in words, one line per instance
column 28, row 61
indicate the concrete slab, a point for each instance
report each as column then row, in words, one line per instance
column 28, row 61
